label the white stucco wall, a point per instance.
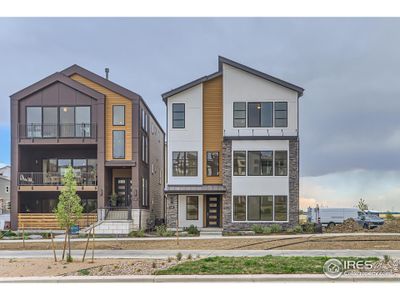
(182, 212)
(260, 185)
(241, 86)
(189, 138)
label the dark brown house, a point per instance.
(105, 132)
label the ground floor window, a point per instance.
(192, 208)
(260, 208)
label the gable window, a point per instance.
(239, 163)
(67, 120)
(280, 163)
(178, 115)
(212, 163)
(118, 115)
(281, 114)
(239, 114)
(184, 163)
(34, 122)
(260, 163)
(259, 114)
(192, 207)
(82, 121)
(118, 144)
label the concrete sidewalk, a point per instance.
(262, 237)
(164, 254)
(196, 278)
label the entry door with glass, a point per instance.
(123, 190)
(213, 211)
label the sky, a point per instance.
(349, 114)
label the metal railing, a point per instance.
(43, 131)
(55, 178)
(119, 208)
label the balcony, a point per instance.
(40, 181)
(57, 131)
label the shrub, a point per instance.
(9, 233)
(290, 230)
(257, 228)
(84, 272)
(162, 231)
(389, 216)
(297, 229)
(309, 227)
(192, 230)
(153, 265)
(139, 233)
(386, 258)
(178, 256)
(276, 228)
(189, 256)
(267, 230)
(1, 235)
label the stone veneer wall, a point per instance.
(172, 210)
(227, 210)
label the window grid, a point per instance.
(178, 115)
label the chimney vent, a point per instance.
(107, 71)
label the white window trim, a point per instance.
(273, 210)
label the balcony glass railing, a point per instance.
(38, 130)
(49, 178)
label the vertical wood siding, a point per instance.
(112, 98)
(212, 125)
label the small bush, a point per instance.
(389, 216)
(69, 258)
(267, 230)
(290, 230)
(386, 258)
(139, 233)
(189, 256)
(1, 235)
(169, 259)
(84, 272)
(257, 228)
(178, 256)
(192, 230)
(153, 265)
(276, 228)
(309, 227)
(162, 231)
(9, 233)
(297, 229)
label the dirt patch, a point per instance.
(392, 226)
(347, 226)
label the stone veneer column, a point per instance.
(227, 182)
(172, 210)
(293, 182)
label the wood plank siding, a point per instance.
(112, 98)
(49, 220)
(212, 125)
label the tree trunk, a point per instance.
(69, 243)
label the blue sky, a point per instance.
(349, 120)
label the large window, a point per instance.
(192, 208)
(212, 163)
(281, 208)
(34, 122)
(239, 114)
(67, 121)
(184, 163)
(239, 208)
(118, 144)
(178, 115)
(50, 122)
(260, 114)
(82, 121)
(260, 163)
(145, 192)
(239, 163)
(280, 163)
(260, 208)
(281, 114)
(118, 115)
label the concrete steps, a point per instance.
(211, 232)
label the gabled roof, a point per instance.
(49, 80)
(223, 60)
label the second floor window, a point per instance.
(260, 163)
(212, 163)
(178, 115)
(259, 114)
(118, 144)
(118, 115)
(239, 114)
(145, 149)
(184, 163)
(281, 117)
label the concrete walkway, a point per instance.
(198, 278)
(163, 254)
(60, 239)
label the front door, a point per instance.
(213, 211)
(123, 189)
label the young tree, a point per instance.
(362, 205)
(69, 208)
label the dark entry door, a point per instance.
(123, 190)
(213, 211)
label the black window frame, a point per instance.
(210, 167)
(185, 164)
(239, 110)
(174, 105)
(276, 162)
(260, 114)
(113, 116)
(281, 110)
(235, 163)
(234, 211)
(113, 140)
(196, 205)
(145, 148)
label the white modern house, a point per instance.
(233, 150)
